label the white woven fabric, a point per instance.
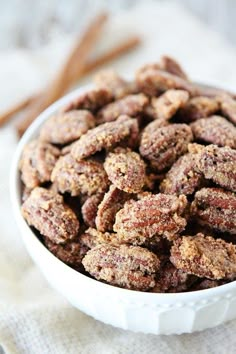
(33, 318)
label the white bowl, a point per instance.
(127, 309)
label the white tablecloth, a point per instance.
(34, 318)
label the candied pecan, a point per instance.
(166, 105)
(110, 80)
(199, 107)
(153, 126)
(182, 178)
(25, 193)
(215, 208)
(91, 100)
(63, 128)
(173, 280)
(104, 136)
(131, 267)
(172, 66)
(154, 215)
(79, 177)
(37, 162)
(71, 253)
(132, 105)
(214, 130)
(47, 212)
(204, 256)
(165, 145)
(153, 81)
(126, 170)
(112, 202)
(89, 209)
(207, 284)
(219, 165)
(228, 107)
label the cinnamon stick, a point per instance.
(74, 65)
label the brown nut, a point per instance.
(199, 107)
(153, 81)
(131, 105)
(79, 177)
(228, 107)
(215, 208)
(112, 202)
(63, 128)
(154, 215)
(91, 100)
(110, 80)
(182, 178)
(130, 267)
(90, 208)
(47, 212)
(93, 237)
(205, 257)
(214, 130)
(172, 66)
(164, 146)
(126, 170)
(219, 165)
(104, 136)
(166, 105)
(37, 162)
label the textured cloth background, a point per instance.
(33, 318)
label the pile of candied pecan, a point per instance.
(133, 183)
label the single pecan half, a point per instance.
(215, 130)
(151, 216)
(215, 208)
(205, 257)
(37, 162)
(131, 267)
(47, 212)
(79, 177)
(199, 107)
(228, 107)
(89, 209)
(63, 128)
(165, 145)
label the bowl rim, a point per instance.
(15, 197)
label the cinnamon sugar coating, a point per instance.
(199, 107)
(63, 128)
(215, 208)
(37, 162)
(205, 257)
(47, 212)
(79, 177)
(228, 107)
(150, 216)
(130, 267)
(90, 208)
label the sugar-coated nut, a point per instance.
(228, 107)
(131, 105)
(104, 136)
(215, 208)
(37, 162)
(215, 130)
(199, 107)
(90, 208)
(112, 202)
(91, 100)
(166, 105)
(151, 216)
(165, 145)
(182, 178)
(93, 237)
(170, 65)
(79, 177)
(63, 128)
(110, 80)
(126, 170)
(205, 257)
(131, 267)
(47, 212)
(219, 165)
